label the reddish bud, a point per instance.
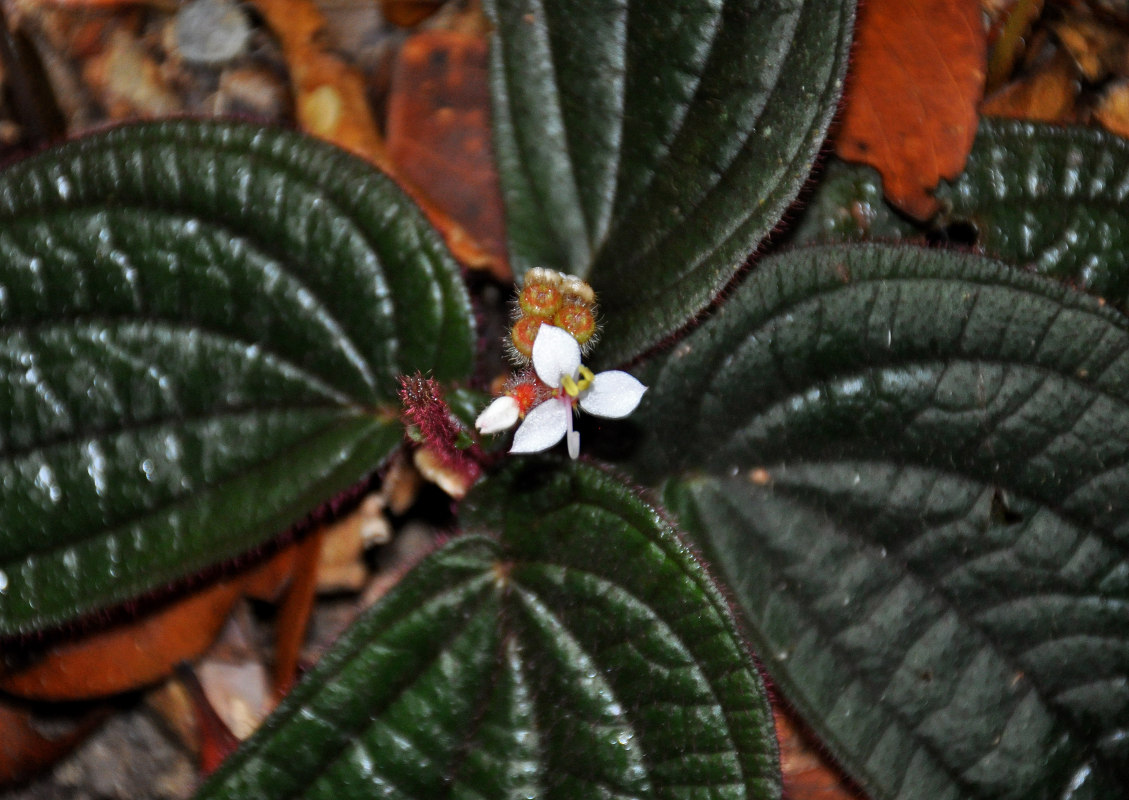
(539, 299)
(577, 319)
(523, 333)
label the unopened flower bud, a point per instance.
(542, 275)
(577, 319)
(572, 286)
(539, 299)
(522, 335)
(501, 415)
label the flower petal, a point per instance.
(543, 427)
(555, 353)
(614, 394)
(501, 415)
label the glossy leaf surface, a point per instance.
(649, 147)
(202, 329)
(1052, 197)
(911, 466)
(580, 653)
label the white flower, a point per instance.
(501, 415)
(556, 359)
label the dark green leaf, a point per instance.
(582, 654)
(1055, 198)
(650, 146)
(913, 468)
(202, 328)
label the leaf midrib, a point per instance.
(466, 586)
(286, 368)
(697, 581)
(191, 498)
(673, 135)
(1068, 491)
(669, 281)
(859, 543)
(827, 635)
(343, 338)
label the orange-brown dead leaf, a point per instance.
(297, 605)
(439, 140)
(1007, 37)
(341, 565)
(129, 80)
(331, 103)
(129, 655)
(86, 35)
(1113, 111)
(31, 741)
(142, 651)
(1098, 48)
(408, 13)
(910, 108)
(215, 741)
(168, 5)
(401, 484)
(329, 95)
(807, 773)
(1047, 94)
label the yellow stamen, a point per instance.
(573, 387)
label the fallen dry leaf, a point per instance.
(30, 741)
(129, 81)
(214, 740)
(1007, 37)
(1113, 111)
(329, 94)
(141, 651)
(439, 140)
(294, 612)
(238, 692)
(401, 484)
(807, 773)
(910, 106)
(341, 565)
(432, 468)
(408, 13)
(129, 655)
(95, 4)
(1097, 48)
(251, 91)
(331, 103)
(173, 706)
(1048, 94)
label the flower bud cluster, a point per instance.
(549, 298)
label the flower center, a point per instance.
(574, 387)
